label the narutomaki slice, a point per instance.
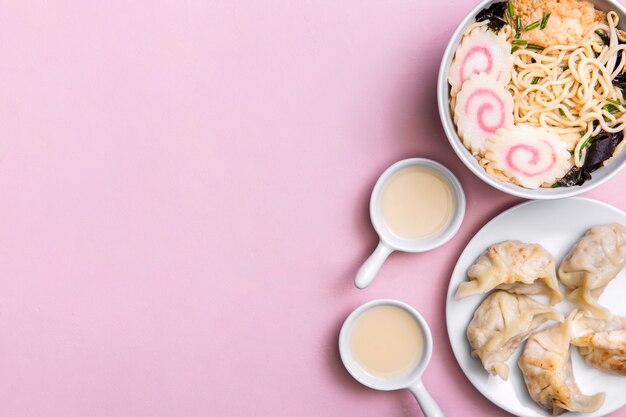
(482, 107)
(481, 52)
(530, 156)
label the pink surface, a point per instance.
(184, 203)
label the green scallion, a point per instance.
(561, 112)
(532, 26)
(515, 48)
(518, 27)
(610, 108)
(519, 42)
(510, 8)
(535, 47)
(585, 145)
(507, 19)
(544, 21)
(617, 103)
(535, 80)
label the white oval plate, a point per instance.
(556, 225)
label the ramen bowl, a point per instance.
(602, 175)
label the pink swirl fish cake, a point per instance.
(481, 52)
(531, 156)
(482, 107)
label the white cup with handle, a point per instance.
(412, 378)
(389, 241)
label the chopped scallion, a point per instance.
(535, 80)
(561, 112)
(585, 145)
(544, 21)
(610, 108)
(510, 8)
(518, 27)
(617, 103)
(535, 47)
(513, 49)
(519, 42)
(532, 26)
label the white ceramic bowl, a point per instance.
(389, 242)
(373, 381)
(411, 381)
(443, 98)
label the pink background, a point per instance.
(184, 203)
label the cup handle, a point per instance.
(427, 403)
(371, 266)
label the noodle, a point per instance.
(564, 88)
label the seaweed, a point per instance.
(602, 147)
(574, 176)
(604, 36)
(494, 14)
(620, 81)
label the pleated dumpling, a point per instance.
(602, 343)
(591, 264)
(547, 369)
(514, 266)
(500, 324)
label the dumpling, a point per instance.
(514, 266)
(602, 343)
(501, 323)
(591, 264)
(547, 369)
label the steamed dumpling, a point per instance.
(500, 324)
(591, 264)
(547, 369)
(602, 343)
(514, 266)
